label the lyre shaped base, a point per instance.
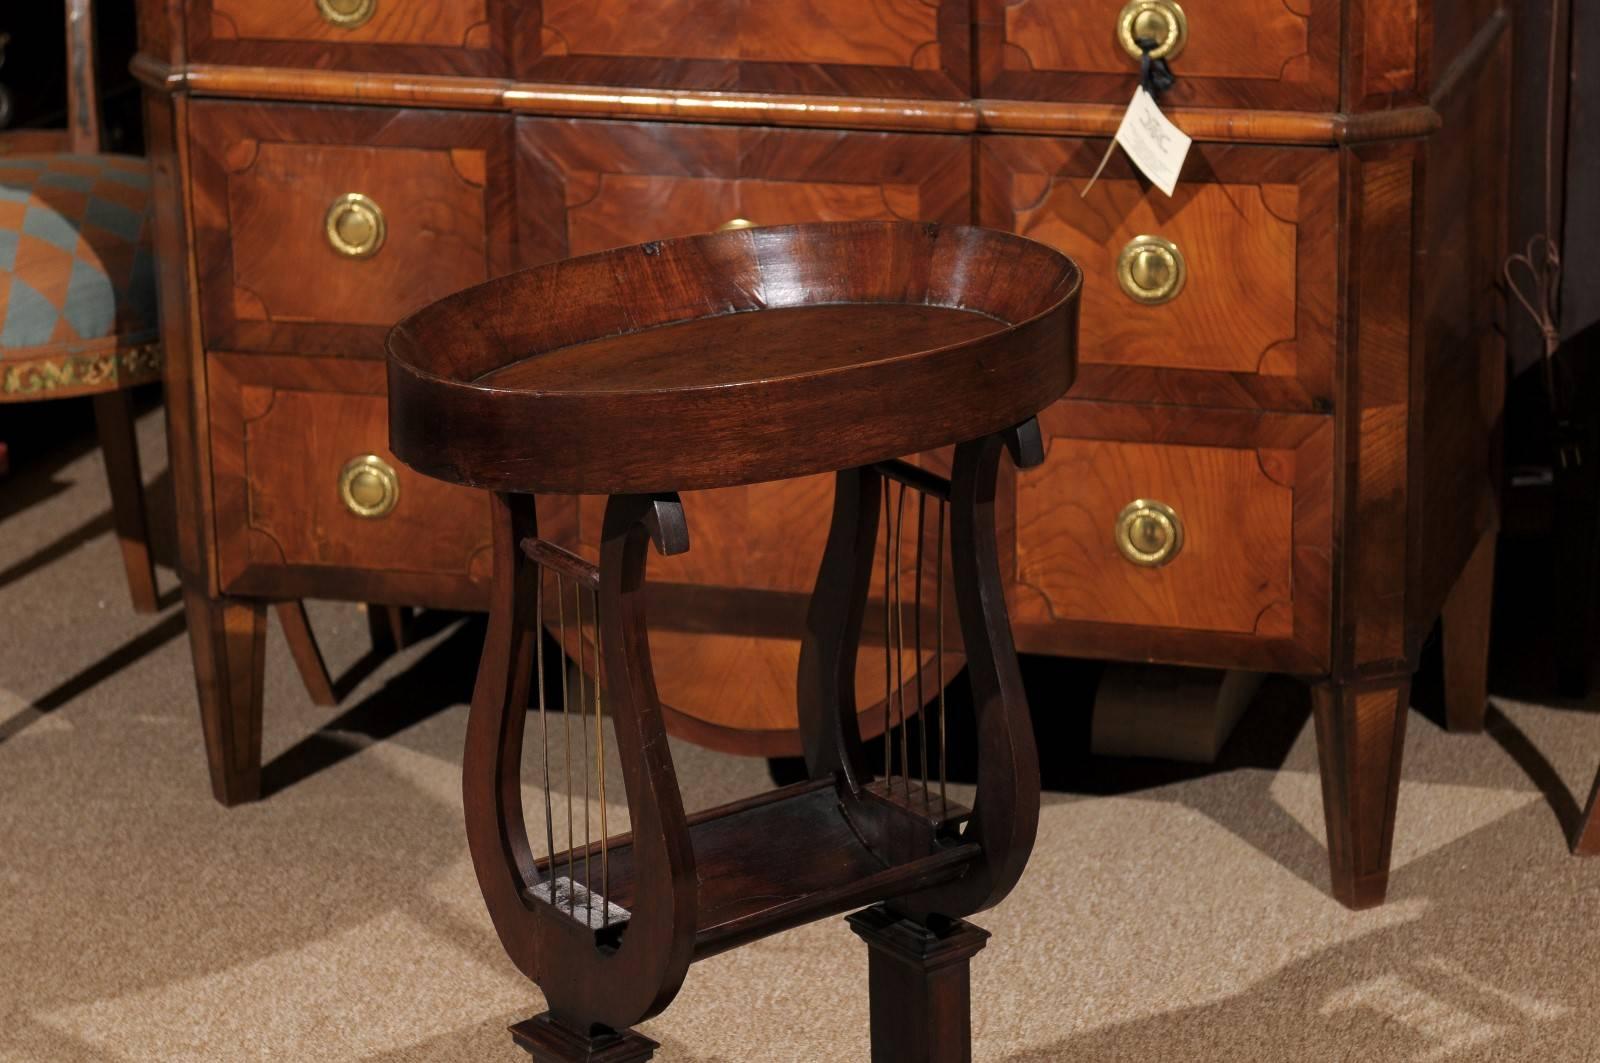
(550, 1042)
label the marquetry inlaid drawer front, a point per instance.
(609, 184)
(417, 36)
(1242, 53)
(1223, 294)
(317, 228)
(917, 48)
(1177, 534)
(307, 491)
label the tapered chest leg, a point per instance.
(228, 638)
(1361, 730)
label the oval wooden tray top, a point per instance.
(733, 358)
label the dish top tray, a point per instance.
(733, 358)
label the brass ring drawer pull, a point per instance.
(355, 226)
(1162, 21)
(368, 486)
(735, 224)
(1149, 533)
(1151, 270)
(346, 14)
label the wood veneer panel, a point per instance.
(1254, 323)
(415, 36)
(282, 430)
(909, 48)
(264, 178)
(622, 183)
(1253, 495)
(1259, 54)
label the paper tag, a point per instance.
(1154, 144)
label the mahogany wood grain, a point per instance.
(1464, 626)
(629, 182)
(689, 887)
(229, 643)
(1256, 54)
(920, 986)
(1377, 394)
(909, 48)
(282, 432)
(466, 37)
(113, 418)
(508, 343)
(1400, 363)
(265, 178)
(1361, 729)
(885, 114)
(1257, 228)
(306, 653)
(1255, 537)
(1457, 469)
(618, 183)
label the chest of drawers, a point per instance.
(1279, 454)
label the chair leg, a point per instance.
(1587, 842)
(1361, 730)
(307, 655)
(113, 415)
(547, 1041)
(1465, 628)
(920, 986)
(387, 625)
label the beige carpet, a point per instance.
(339, 919)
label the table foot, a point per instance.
(550, 1042)
(921, 986)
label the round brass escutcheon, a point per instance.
(347, 14)
(368, 486)
(1162, 21)
(1151, 270)
(1149, 533)
(735, 224)
(355, 226)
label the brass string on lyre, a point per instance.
(581, 699)
(897, 690)
(566, 723)
(939, 647)
(600, 762)
(583, 725)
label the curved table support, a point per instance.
(607, 981)
(1005, 812)
(827, 675)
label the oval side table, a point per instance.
(714, 361)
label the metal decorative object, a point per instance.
(369, 487)
(1151, 270)
(1149, 533)
(1162, 21)
(347, 14)
(355, 226)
